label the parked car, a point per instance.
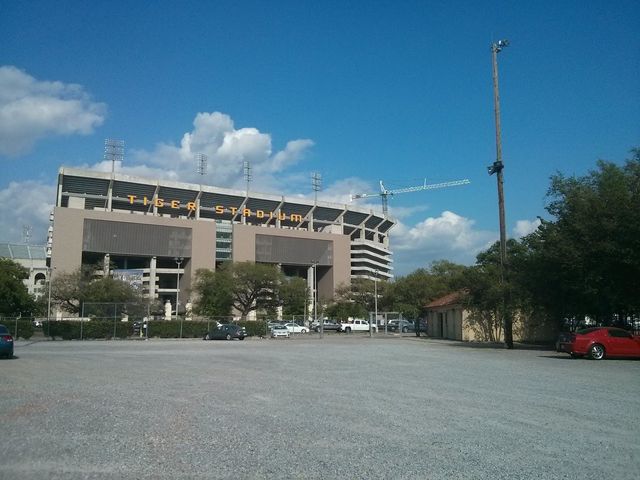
(401, 325)
(599, 342)
(226, 331)
(279, 331)
(326, 326)
(6, 342)
(295, 328)
(357, 325)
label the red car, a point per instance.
(600, 342)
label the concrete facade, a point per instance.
(33, 258)
(163, 232)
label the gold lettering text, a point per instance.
(175, 203)
(159, 202)
(296, 218)
(233, 210)
(246, 212)
(131, 198)
(191, 206)
(282, 216)
(260, 214)
(219, 209)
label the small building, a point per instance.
(447, 317)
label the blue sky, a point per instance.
(359, 91)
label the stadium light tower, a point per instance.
(114, 152)
(497, 167)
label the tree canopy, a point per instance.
(587, 261)
(72, 291)
(244, 286)
(14, 294)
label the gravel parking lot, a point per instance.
(342, 407)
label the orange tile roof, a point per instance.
(449, 299)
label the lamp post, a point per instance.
(49, 304)
(178, 261)
(375, 303)
(314, 266)
(497, 167)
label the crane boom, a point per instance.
(385, 193)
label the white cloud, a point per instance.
(26, 203)
(31, 109)
(449, 236)
(525, 227)
(226, 148)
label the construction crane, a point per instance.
(384, 193)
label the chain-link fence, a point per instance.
(129, 321)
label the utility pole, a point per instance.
(497, 168)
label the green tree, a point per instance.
(294, 296)
(214, 292)
(410, 294)
(587, 261)
(249, 286)
(72, 291)
(487, 296)
(14, 294)
(353, 300)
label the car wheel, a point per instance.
(596, 352)
(317, 329)
(303, 331)
(404, 329)
(241, 338)
(347, 330)
(228, 336)
(207, 337)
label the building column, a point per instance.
(106, 263)
(152, 278)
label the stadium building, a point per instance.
(33, 258)
(157, 234)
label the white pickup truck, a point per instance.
(356, 326)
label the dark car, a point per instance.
(600, 342)
(401, 325)
(226, 331)
(327, 325)
(6, 342)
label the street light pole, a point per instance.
(375, 303)
(315, 299)
(49, 304)
(497, 167)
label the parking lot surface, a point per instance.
(342, 407)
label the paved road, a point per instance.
(344, 407)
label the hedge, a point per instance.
(19, 328)
(104, 329)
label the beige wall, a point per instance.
(456, 326)
(244, 250)
(66, 255)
